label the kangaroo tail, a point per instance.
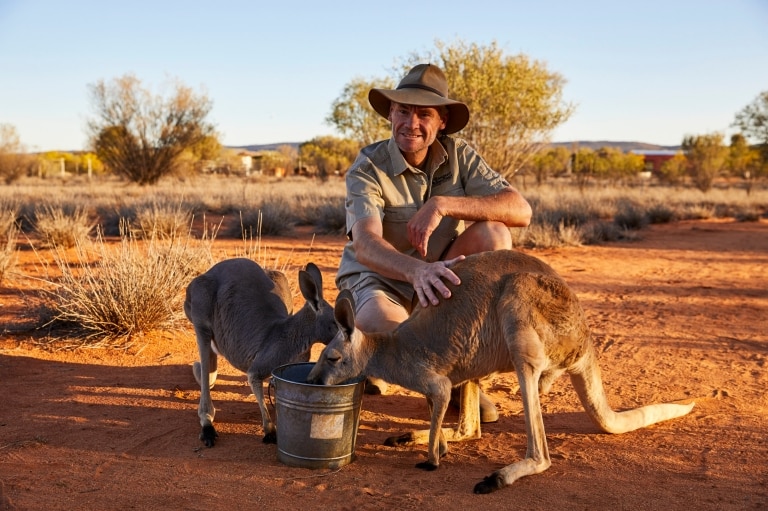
(588, 383)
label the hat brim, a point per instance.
(458, 112)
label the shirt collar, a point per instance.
(437, 156)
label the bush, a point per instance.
(660, 214)
(62, 226)
(630, 216)
(111, 295)
(273, 218)
(7, 250)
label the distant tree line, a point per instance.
(516, 104)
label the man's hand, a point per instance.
(428, 281)
(422, 225)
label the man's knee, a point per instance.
(379, 315)
(481, 237)
(497, 235)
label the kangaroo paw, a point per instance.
(426, 465)
(270, 438)
(490, 484)
(208, 435)
(404, 439)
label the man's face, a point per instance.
(414, 128)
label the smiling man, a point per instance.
(416, 204)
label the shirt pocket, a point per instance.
(395, 227)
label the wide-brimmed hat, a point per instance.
(424, 85)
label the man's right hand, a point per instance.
(428, 281)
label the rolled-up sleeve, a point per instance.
(364, 197)
(479, 179)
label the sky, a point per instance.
(648, 71)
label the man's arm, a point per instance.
(380, 256)
(508, 207)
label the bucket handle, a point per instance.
(270, 386)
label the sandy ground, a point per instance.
(681, 314)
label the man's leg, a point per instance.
(480, 237)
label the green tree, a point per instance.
(329, 154)
(14, 160)
(546, 163)
(353, 116)
(744, 161)
(673, 170)
(707, 157)
(515, 102)
(585, 165)
(752, 120)
(616, 165)
(59, 163)
(290, 155)
(140, 135)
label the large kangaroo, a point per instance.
(244, 313)
(512, 312)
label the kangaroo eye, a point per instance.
(333, 356)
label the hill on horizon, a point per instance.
(624, 146)
(591, 144)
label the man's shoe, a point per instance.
(488, 411)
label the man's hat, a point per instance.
(424, 85)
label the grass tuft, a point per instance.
(111, 294)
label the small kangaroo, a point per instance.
(512, 312)
(244, 313)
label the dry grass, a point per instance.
(9, 212)
(8, 251)
(109, 294)
(61, 226)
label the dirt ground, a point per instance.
(680, 315)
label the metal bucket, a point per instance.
(316, 424)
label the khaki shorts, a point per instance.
(368, 286)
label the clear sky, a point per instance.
(649, 71)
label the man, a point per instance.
(416, 204)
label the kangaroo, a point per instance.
(244, 313)
(512, 312)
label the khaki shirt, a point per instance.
(381, 183)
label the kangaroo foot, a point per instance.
(490, 484)
(208, 435)
(426, 465)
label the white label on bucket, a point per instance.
(326, 427)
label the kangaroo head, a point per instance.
(337, 362)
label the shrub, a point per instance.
(113, 294)
(660, 214)
(599, 232)
(163, 220)
(630, 216)
(273, 218)
(331, 219)
(62, 226)
(7, 250)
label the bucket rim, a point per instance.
(350, 383)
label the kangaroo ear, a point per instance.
(315, 273)
(344, 312)
(311, 285)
